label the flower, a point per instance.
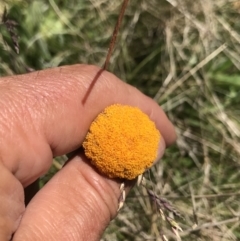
(122, 142)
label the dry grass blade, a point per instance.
(192, 72)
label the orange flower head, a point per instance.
(122, 142)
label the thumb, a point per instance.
(76, 204)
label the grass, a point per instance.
(185, 55)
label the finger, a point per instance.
(11, 204)
(76, 204)
(49, 117)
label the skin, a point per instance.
(43, 115)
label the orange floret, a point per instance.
(122, 142)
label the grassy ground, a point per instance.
(183, 53)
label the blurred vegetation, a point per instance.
(185, 55)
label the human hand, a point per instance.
(43, 115)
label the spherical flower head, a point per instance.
(122, 142)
